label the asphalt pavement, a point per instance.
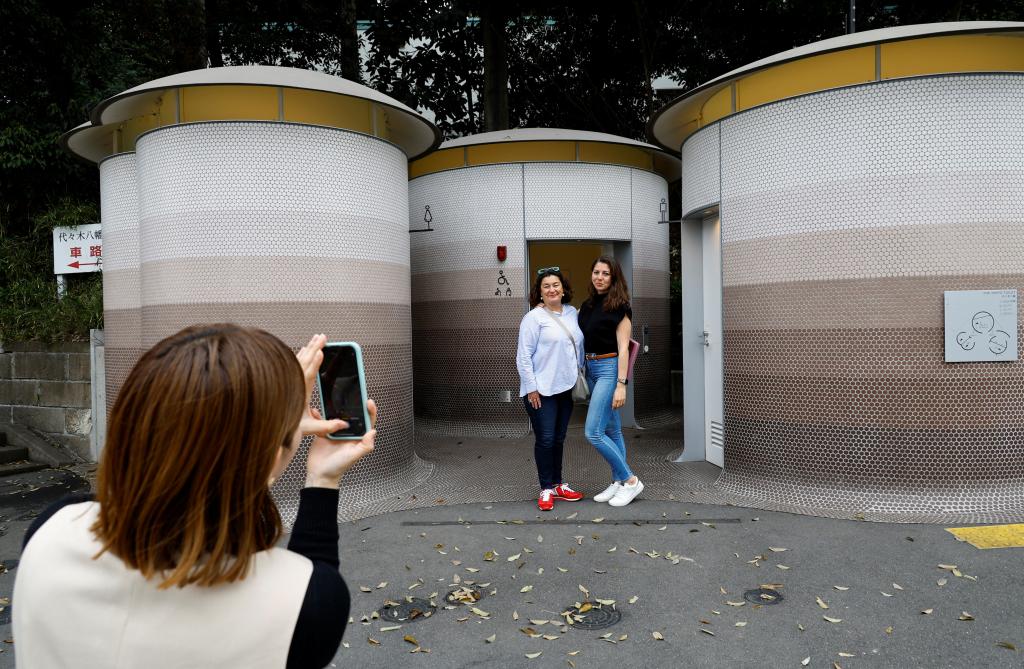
(679, 584)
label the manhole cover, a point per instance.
(464, 595)
(408, 611)
(765, 596)
(595, 618)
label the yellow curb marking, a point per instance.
(991, 536)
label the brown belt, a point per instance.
(600, 356)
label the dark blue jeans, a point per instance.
(550, 423)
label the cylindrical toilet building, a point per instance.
(486, 211)
(270, 197)
(832, 195)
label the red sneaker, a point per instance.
(564, 492)
(546, 501)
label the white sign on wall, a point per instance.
(981, 325)
(77, 249)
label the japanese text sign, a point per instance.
(77, 249)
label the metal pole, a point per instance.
(62, 287)
(851, 18)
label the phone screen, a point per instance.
(342, 395)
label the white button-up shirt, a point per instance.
(545, 357)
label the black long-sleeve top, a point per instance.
(325, 608)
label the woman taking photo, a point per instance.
(605, 319)
(174, 564)
(548, 357)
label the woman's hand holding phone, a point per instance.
(328, 459)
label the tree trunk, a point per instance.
(349, 41)
(213, 50)
(495, 41)
(186, 22)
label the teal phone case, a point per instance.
(362, 390)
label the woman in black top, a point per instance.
(605, 319)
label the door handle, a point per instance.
(706, 336)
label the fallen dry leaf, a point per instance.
(526, 588)
(597, 520)
(390, 628)
(804, 662)
(941, 582)
(1006, 644)
(708, 632)
(370, 639)
(888, 630)
(572, 515)
(927, 612)
(897, 586)
(775, 549)
(513, 558)
(408, 638)
(821, 602)
(491, 638)
(741, 623)
(633, 599)
(533, 656)
(833, 620)
(841, 587)
(841, 654)
(658, 636)
(782, 566)
(736, 603)
(965, 616)
(365, 588)
(886, 594)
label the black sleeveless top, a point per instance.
(598, 325)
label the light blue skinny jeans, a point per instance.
(604, 427)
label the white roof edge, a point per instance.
(545, 134)
(418, 137)
(842, 42)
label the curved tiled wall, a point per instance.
(464, 335)
(845, 215)
(294, 229)
(119, 213)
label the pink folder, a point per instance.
(634, 351)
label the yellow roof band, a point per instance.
(248, 102)
(604, 153)
(920, 56)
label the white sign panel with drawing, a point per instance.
(981, 325)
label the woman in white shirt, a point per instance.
(549, 353)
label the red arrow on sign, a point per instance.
(77, 264)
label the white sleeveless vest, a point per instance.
(73, 611)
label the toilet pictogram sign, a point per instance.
(503, 285)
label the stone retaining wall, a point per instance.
(47, 387)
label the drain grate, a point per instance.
(765, 596)
(467, 594)
(406, 612)
(595, 618)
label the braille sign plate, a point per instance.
(981, 325)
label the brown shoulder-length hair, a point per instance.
(191, 442)
(535, 296)
(618, 292)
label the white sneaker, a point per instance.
(608, 492)
(626, 493)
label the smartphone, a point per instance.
(342, 386)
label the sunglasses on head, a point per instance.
(556, 268)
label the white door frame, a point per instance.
(691, 248)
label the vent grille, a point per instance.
(717, 434)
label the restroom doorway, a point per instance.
(574, 258)
(703, 353)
